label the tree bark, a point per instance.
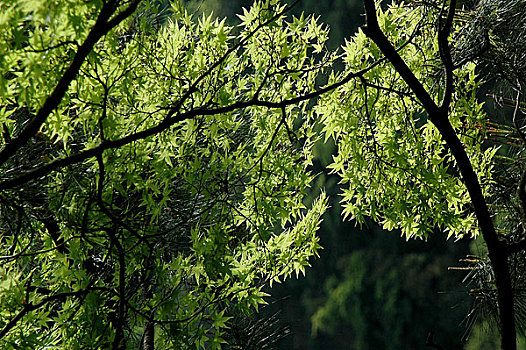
(149, 337)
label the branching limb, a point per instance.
(497, 250)
(168, 122)
(31, 307)
(374, 32)
(119, 326)
(102, 26)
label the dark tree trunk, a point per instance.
(149, 337)
(439, 116)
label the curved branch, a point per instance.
(31, 307)
(373, 31)
(102, 26)
(171, 119)
(497, 250)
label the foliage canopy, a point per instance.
(391, 158)
(154, 169)
(171, 187)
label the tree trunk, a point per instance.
(439, 116)
(148, 342)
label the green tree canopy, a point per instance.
(154, 169)
(166, 183)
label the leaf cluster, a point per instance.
(392, 160)
(181, 175)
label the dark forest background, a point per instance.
(370, 289)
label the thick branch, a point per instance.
(373, 31)
(148, 337)
(54, 232)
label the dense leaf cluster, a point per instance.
(391, 158)
(154, 167)
(170, 178)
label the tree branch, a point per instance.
(445, 55)
(171, 119)
(102, 26)
(373, 31)
(497, 251)
(31, 307)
